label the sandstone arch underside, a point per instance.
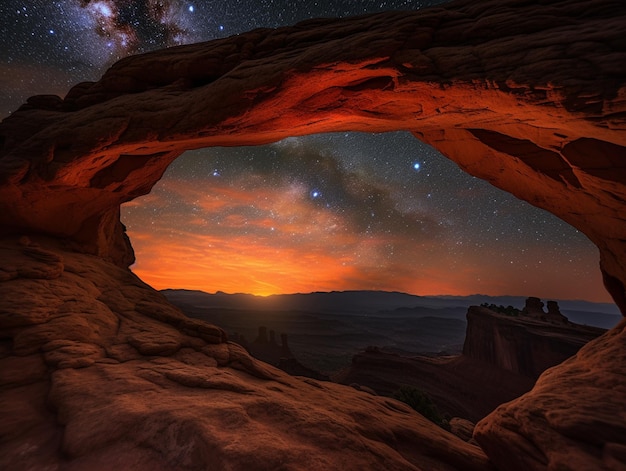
(529, 95)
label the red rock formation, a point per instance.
(461, 386)
(574, 418)
(502, 357)
(524, 345)
(529, 95)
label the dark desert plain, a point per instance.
(390, 158)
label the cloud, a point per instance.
(137, 26)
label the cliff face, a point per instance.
(460, 386)
(95, 367)
(502, 357)
(522, 344)
(574, 417)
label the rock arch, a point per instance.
(536, 107)
(530, 95)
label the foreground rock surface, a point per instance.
(99, 372)
(574, 418)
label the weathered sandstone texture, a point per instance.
(574, 418)
(528, 94)
(99, 372)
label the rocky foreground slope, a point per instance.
(99, 372)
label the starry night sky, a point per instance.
(316, 213)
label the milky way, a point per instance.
(134, 26)
(336, 211)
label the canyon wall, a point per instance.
(503, 356)
(521, 344)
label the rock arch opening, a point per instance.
(349, 211)
(522, 125)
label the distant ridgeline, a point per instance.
(526, 341)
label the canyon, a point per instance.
(502, 357)
(522, 344)
(98, 371)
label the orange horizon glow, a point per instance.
(307, 250)
(261, 231)
(262, 276)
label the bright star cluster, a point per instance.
(325, 212)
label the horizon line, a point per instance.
(217, 292)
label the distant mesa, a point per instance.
(533, 308)
(527, 343)
(505, 351)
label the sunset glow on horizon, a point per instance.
(294, 217)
